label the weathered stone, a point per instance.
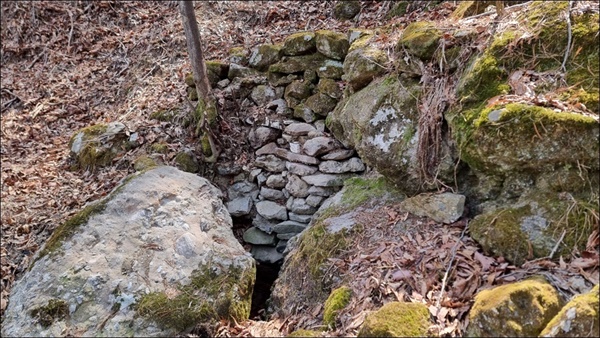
(258, 237)
(267, 149)
(240, 206)
(390, 321)
(336, 167)
(261, 178)
(96, 146)
(346, 10)
(420, 39)
(280, 107)
(319, 125)
(296, 186)
(300, 169)
(363, 65)
(271, 163)
(238, 71)
(264, 224)
(298, 129)
(325, 180)
(296, 157)
(261, 57)
(262, 94)
(578, 318)
(271, 194)
(299, 206)
(298, 64)
(279, 79)
(295, 147)
(281, 245)
(331, 70)
(289, 226)
(276, 181)
(338, 155)
(261, 136)
(228, 169)
(266, 254)
(299, 218)
(271, 210)
(254, 174)
(527, 305)
(332, 44)
(445, 208)
(314, 200)
(323, 191)
(286, 236)
(320, 145)
(108, 270)
(330, 88)
(320, 103)
(298, 89)
(301, 111)
(241, 189)
(299, 44)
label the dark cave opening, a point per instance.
(265, 277)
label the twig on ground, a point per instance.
(569, 37)
(557, 244)
(437, 304)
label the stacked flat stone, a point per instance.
(295, 172)
(298, 164)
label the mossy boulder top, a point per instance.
(97, 145)
(158, 238)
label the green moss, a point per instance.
(205, 145)
(421, 39)
(161, 148)
(54, 310)
(186, 162)
(397, 319)
(304, 333)
(211, 295)
(359, 190)
(519, 309)
(511, 232)
(67, 229)
(144, 162)
(338, 299)
(164, 115)
(398, 9)
(585, 323)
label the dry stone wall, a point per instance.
(298, 163)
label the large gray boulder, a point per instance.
(381, 122)
(155, 257)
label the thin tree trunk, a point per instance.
(194, 46)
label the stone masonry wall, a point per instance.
(298, 163)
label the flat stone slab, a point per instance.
(339, 167)
(266, 254)
(271, 210)
(300, 169)
(325, 180)
(258, 237)
(289, 226)
(444, 208)
(240, 206)
(299, 129)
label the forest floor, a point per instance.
(68, 65)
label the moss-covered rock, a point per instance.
(397, 319)
(261, 57)
(502, 139)
(520, 309)
(187, 162)
(301, 111)
(238, 55)
(211, 295)
(381, 123)
(332, 44)
(299, 44)
(331, 69)
(54, 310)
(144, 162)
(160, 148)
(337, 300)
(578, 318)
(362, 65)
(358, 34)
(346, 10)
(304, 333)
(536, 222)
(330, 88)
(331, 231)
(298, 90)
(320, 103)
(216, 71)
(297, 64)
(420, 39)
(96, 146)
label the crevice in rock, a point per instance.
(266, 274)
